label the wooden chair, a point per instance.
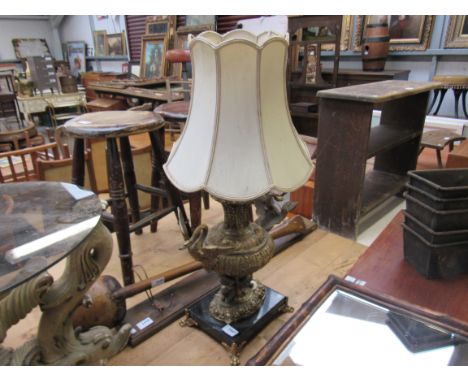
(60, 170)
(60, 112)
(21, 165)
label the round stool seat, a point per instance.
(113, 124)
(174, 110)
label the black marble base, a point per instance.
(273, 305)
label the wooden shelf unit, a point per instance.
(344, 192)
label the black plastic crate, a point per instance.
(434, 261)
(443, 183)
(434, 237)
(435, 202)
(435, 219)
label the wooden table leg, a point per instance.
(130, 180)
(119, 210)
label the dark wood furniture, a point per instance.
(384, 270)
(118, 126)
(155, 96)
(88, 77)
(344, 192)
(458, 158)
(8, 102)
(437, 140)
(307, 35)
(366, 324)
(349, 77)
(105, 104)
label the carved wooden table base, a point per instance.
(57, 343)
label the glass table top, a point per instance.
(40, 223)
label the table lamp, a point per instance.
(238, 144)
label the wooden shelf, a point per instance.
(386, 137)
(344, 191)
(379, 186)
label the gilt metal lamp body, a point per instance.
(239, 143)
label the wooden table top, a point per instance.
(385, 271)
(378, 92)
(111, 124)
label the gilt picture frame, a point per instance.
(158, 27)
(407, 33)
(100, 43)
(457, 32)
(116, 45)
(153, 57)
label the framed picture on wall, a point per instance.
(457, 32)
(76, 51)
(153, 57)
(116, 44)
(407, 32)
(157, 28)
(191, 20)
(100, 43)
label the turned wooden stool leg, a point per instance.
(119, 210)
(195, 199)
(130, 180)
(442, 95)
(78, 162)
(206, 200)
(172, 192)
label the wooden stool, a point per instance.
(437, 140)
(459, 85)
(120, 124)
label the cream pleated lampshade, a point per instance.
(239, 141)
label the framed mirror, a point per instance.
(347, 325)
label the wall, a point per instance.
(80, 28)
(23, 28)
